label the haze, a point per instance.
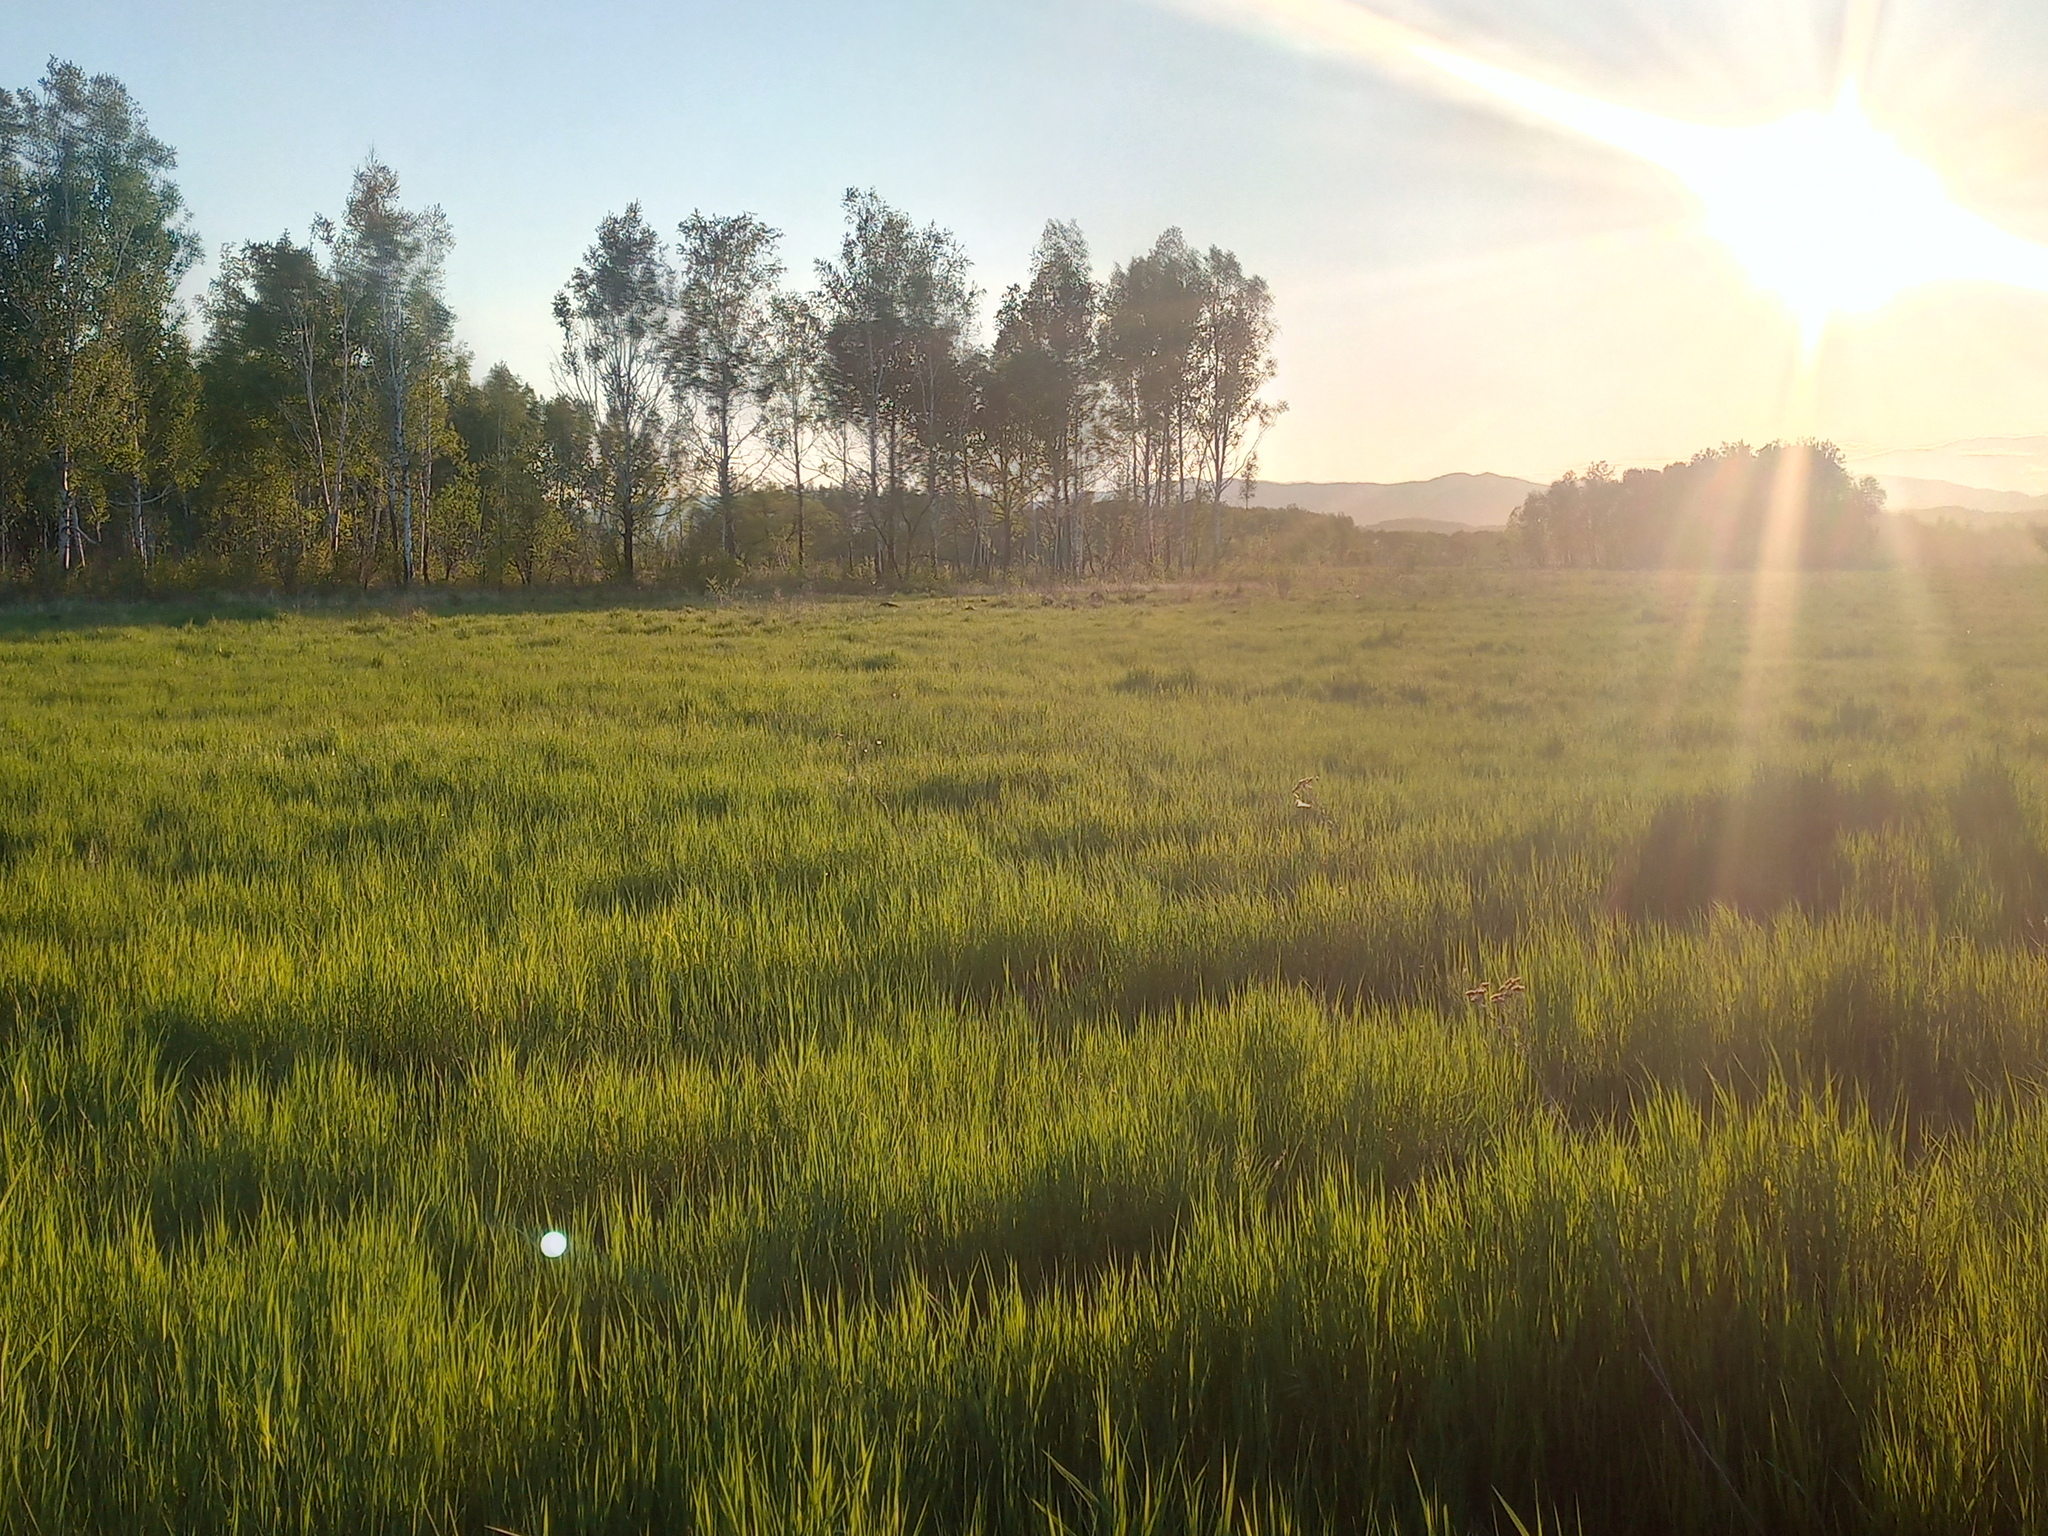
(1460, 288)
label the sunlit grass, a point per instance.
(979, 1094)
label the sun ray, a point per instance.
(1860, 23)
(1775, 588)
(1921, 624)
(1822, 208)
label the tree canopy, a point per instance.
(316, 423)
(1728, 507)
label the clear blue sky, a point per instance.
(1457, 290)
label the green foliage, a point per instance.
(1730, 508)
(95, 384)
(984, 1089)
(713, 424)
(520, 532)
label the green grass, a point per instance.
(980, 1098)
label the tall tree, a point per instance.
(899, 305)
(1234, 363)
(92, 245)
(393, 258)
(1046, 341)
(574, 491)
(504, 432)
(944, 368)
(1151, 328)
(162, 455)
(285, 380)
(1006, 444)
(723, 342)
(615, 315)
(792, 396)
(865, 336)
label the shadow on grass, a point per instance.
(1757, 850)
(29, 619)
(1777, 844)
(24, 616)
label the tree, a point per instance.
(285, 380)
(1005, 440)
(504, 433)
(865, 335)
(1732, 507)
(163, 454)
(392, 257)
(330, 423)
(1570, 523)
(92, 246)
(939, 387)
(1234, 363)
(1046, 362)
(573, 488)
(792, 394)
(898, 305)
(615, 315)
(1151, 329)
(723, 341)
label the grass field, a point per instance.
(979, 1097)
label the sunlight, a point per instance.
(1822, 208)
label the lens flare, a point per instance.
(1822, 208)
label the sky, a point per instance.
(1458, 287)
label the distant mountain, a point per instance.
(1421, 525)
(2017, 464)
(1466, 501)
(1904, 493)
(1453, 503)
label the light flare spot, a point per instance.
(1823, 208)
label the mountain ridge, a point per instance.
(1460, 500)
(1907, 493)
(1981, 465)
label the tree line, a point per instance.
(1728, 507)
(316, 423)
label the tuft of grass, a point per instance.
(1157, 680)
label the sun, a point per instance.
(1829, 213)
(1822, 208)
(1826, 211)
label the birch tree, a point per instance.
(722, 344)
(285, 381)
(939, 382)
(1007, 456)
(503, 429)
(1151, 328)
(615, 315)
(899, 306)
(1234, 363)
(865, 339)
(392, 258)
(1046, 340)
(793, 397)
(92, 245)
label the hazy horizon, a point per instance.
(1459, 290)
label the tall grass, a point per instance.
(979, 1096)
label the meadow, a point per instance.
(985, 1088)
